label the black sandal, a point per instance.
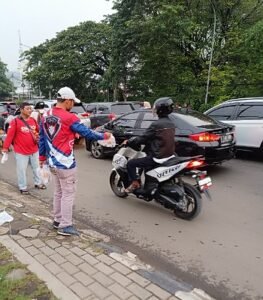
(40, 186)
(24, 192)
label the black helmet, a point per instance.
(17, 112)
(40, 105)
(163, 106)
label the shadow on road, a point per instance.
(250, 156)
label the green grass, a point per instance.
(28, 288)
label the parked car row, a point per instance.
(103, 112)
(215, 134)
(98, 113)
(7, 108)
(91, 114)
(196, 134)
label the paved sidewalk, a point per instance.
(79, 267)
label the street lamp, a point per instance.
(23, 86)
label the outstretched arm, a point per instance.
(88, 133)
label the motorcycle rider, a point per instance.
(158, 140)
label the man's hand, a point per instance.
(97, 129)
(41, 163)
(4, 150)
(107, 135)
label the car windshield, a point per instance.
(77, 110)
(121, 108)
(136, 105)
(90, 107)
(195, 118)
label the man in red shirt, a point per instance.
(57, 133)
(23, 134)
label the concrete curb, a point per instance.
(56, 286)
(195, 294)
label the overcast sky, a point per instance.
(39, 20)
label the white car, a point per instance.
(80, 111)
(246, 114)
(50, 103)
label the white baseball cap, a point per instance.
(67, 93)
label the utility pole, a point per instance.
(211, 55)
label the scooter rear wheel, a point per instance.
(117, 185)
(193, 203)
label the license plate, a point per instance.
(227, 138)
(204, 183)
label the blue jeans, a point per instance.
(21, 168)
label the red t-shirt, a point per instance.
(20, 136)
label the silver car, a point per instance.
(247, 116)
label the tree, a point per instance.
(6, 85)
(236, 69)
(154, 48)
(164, 47)
(78, 57)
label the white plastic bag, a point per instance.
(4, 158)
(5, 217)
(45, 174)
(111, 142)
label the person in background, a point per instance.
(2, 130)
(10, 118)
(57, 133)
(39, 110)
(2, 124)
(23, 135)
(186, 107)
(145, 105)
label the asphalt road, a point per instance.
(220, 251)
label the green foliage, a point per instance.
(27, 288)
(78, 57)
(171, 45)
(6, 85)
(154, 48)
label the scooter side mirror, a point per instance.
(109, 126)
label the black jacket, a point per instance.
(158, 139)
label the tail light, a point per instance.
(204, 137)
(85, 114)
(195, 164)
(112, 116)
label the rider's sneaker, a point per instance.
(134, 186)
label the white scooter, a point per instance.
(164, 183)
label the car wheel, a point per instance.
(96, 150)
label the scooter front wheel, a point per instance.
(192, 203)
(116, 185)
